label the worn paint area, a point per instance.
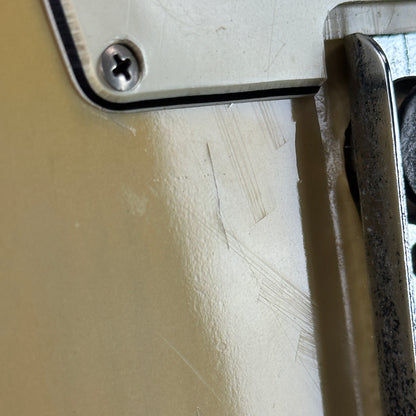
(232, 192)
(149, 264)
(205, 261)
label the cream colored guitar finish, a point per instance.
(163, 263)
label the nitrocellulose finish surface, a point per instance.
(152, 264)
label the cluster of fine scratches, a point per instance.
(240, 161)
(239, 131)
(271, 130)
(275, 291)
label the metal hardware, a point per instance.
(400, 51)
(119, 67)
(383, 211)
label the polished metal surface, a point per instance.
(119, 67)
(384, 218)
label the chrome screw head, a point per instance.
(120, 67)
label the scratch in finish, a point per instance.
(218, 197)
(277, 292)
(272, 61)
(131, 129)
(173, 14)
(270, 124)
(306, 355)
(162, 33)
(306, 347)
(237, 142)
(128, 15)
(191, 367)
(393, 12)
(284, 298)
(271, 36)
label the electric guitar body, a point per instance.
(192, 261)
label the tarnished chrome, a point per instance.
(384, 218)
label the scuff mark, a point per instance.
(190, 366)
(218, 197)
